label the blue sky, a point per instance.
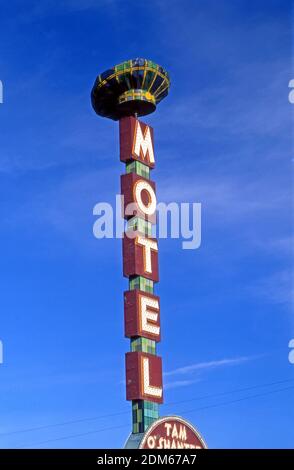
(223, 138)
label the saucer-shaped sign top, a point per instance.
(134, 87)
(172, 432)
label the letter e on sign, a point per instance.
(142, 315)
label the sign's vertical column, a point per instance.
(140, 265)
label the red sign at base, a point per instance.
(172, 432)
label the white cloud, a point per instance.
(81, 5)
(179, 383)
(276, 288)
(228, 196)
(208, 365)
(279, 245)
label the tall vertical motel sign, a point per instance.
(123, 93)
(140, 265)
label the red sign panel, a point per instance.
(140, 256)
(142, 317)
(172, 432)
(139, 198)
(144, 377)
(136, 141)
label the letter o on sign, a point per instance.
(140, 188)
(151, 442)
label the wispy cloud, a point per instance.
(179, 383)
(238, 197)
(81, 5)
(208, 365)
(40, 10)
(276, 288)
(281, 245)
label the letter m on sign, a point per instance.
(136, 141)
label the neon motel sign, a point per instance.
(140, 258)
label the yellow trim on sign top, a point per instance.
(149, 69)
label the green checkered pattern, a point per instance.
(141, 283)
(141, 225)
(144, 345)
(139, 168)
(144, 413)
